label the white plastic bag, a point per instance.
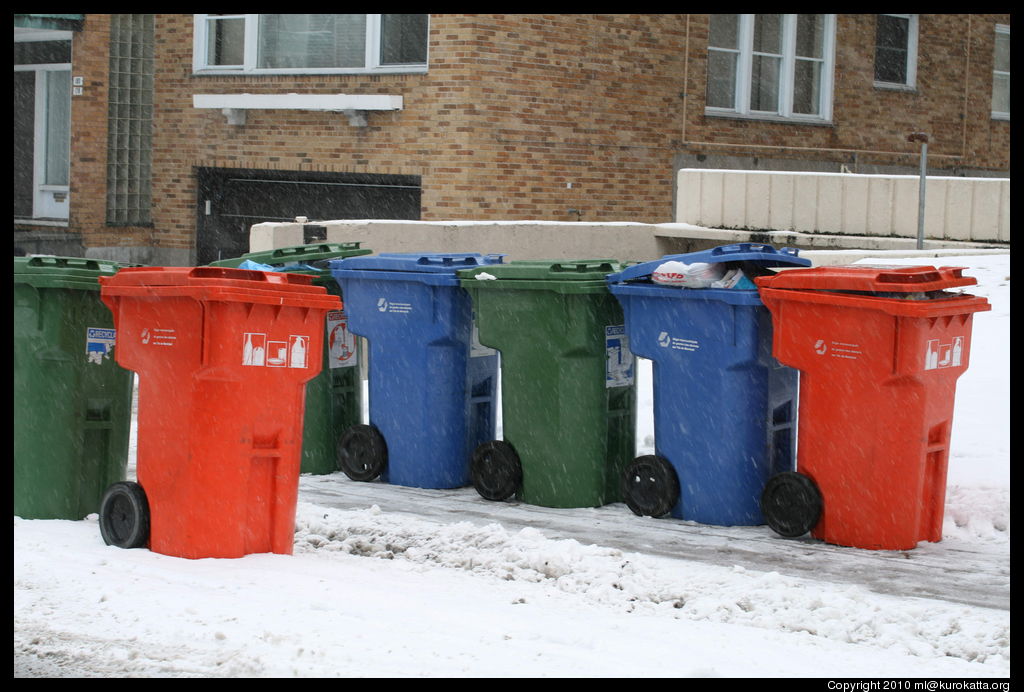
(696, 275)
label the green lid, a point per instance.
(564, 276)
(298, 254)
(50, 271)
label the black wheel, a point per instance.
(124, 516)
(495, 470)
(650, 486)
(362, 453)
(791, 503)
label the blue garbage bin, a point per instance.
(724, 408)
(432, 387)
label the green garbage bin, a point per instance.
(334, 397)
(72, 401)
(567, 382)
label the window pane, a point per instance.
(807, 87)
(891, 32)
(42, 52)
(810, 35)
(24, 134)
(764, 84)
(723, 31)
(403, 39)
(721, 90)
(1001, 93)
(58, 127)
(891, 50)
(226, 42)
(891, 65)
(768, 33)
(1002, 52)
(311, 40)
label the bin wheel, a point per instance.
(650, 486)
(791, 503)
(362, 453)
(495, 470)
(124, 515)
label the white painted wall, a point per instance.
(956, 209)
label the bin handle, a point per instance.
(580, 267)
(65, 262)
(316, 247)
(248, 275)
(454, 260)
(753, 247)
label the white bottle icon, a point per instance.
(958, 346)
(298, 358)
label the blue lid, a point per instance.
(445, 262)
(428, 267)
(758, 253)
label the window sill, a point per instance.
(1005, 117)
(767, 118)
(58, 223)
(353, 106)
(893, 86)
(234, 72)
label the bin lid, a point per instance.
(756, 253)
(220, 283)
(870, 278)
(573, 275)
(316, 255)
(50, 271)
(434, 267)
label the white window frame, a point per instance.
(912, 32)
(785, 113)
(1001, 115)
(50, 203)
(372, 64)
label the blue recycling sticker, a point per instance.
(619, 359)
(99, 344)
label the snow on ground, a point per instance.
(373, 593)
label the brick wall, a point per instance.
(952, 102)
(529, 116)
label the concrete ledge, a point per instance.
(142, 254)
(567, 240)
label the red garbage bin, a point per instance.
(223, 356)
(879, 350)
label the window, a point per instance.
(130, 120)
(42, 127)
(896, 50)
(304, 43)
(771, 66)
(1001, 74)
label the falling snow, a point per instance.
(395, 582)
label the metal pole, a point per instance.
(923, 139)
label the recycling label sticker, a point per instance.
(99, 343)
(260, 351)
(341, 343)
(619, 359)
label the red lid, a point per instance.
(869, 277)
(195, 276)
(224, 283)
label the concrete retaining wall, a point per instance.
(561, 240)
(956, 209)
